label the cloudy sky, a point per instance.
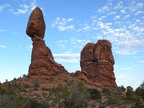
(70, 25)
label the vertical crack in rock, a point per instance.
(42, 60)
(97, 61)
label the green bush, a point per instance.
(2, 91)
(13, 101)
(122, 88)
(106, 91)
(35, 104)
(77, 97)
(27, 86)
(130, 95)
(73, 95)
(94, 94)
(112, 99)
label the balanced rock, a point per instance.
(36, 24)
(42, 60)
(97, 61)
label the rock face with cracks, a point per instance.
(42, 61)
(97, 62)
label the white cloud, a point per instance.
(22, 10)
(125, 68)
(123, 76)
(142, 61)
(79, 43)
(123, 11)
(63, 24)
(2, 46)
(63, 28)
(67, 57)
(117, 17)
(125, 51)
(30, 46)
(33, 4)
(138, 5)
(139, 12)
(125, 33)
(112, 13)
(103, 9)
(115, 22)
(4, 6)
(102, 17)
(2, 30)
(126, 16)
(62, 43)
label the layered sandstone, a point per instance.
(97, 61)
(42, 60)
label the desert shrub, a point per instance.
(106, 91)
(77, 97)
(94, 94)
(14, 79)
(36, 104)
(1, 105)
(138, 103)
(56, 73)
(72, 96)
(21, 89)
(122, 88)
(130, 95)
(140, 90)
(13, 101)
(6, 80)
(24, 75)
(142, 85)
(11, 92)
(45, 104)
(3, 91)
(112, 99)
(60, 91)
(26, 86)
(51, 79)
(45, 89)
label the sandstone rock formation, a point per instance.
(42, 61)
(97, 61)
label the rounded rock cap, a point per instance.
(36, 24)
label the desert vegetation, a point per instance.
(69, 95)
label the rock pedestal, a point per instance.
(42, 60)
(97, 61)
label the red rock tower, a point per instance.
(42, 61)
(97, 61)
